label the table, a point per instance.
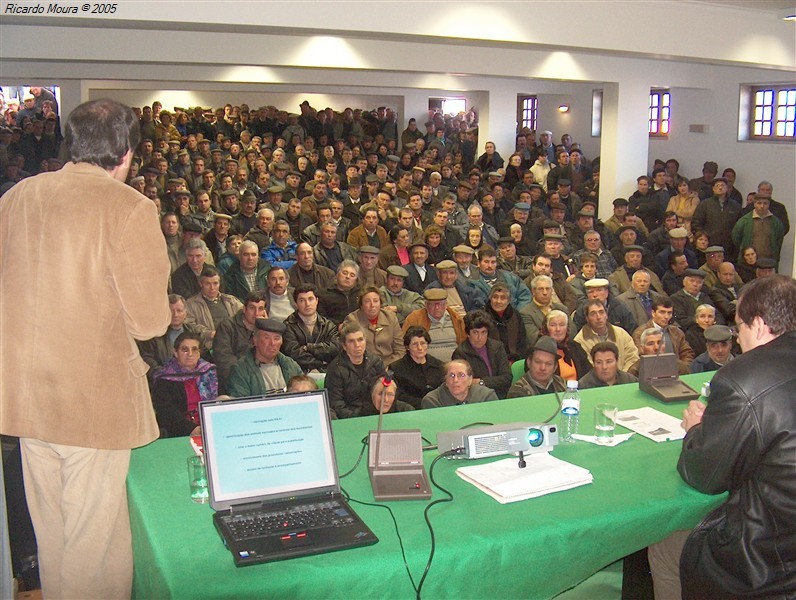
(531, 549)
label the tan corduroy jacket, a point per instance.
(84, 274)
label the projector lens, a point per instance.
(535, 438)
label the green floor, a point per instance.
(603, 585)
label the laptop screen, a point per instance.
(268, 448)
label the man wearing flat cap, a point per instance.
(398, 299)
(540, 371)
(716, 216)
(689, 297)
(264, 368)
(718, 339)
(678, 240)
(443, 324)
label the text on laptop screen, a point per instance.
(269, 447)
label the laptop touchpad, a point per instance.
(296, 539)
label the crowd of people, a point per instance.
(336, 244)
(305, 247)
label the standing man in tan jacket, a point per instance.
(74, 387)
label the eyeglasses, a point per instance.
(454, 376)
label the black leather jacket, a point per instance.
(746, 444)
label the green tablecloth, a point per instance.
(531, 549)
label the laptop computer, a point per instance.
(273, 478)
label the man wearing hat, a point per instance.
(509, 260)
(633, 260)
(678, 240)
(714, 257)
(765, 268)
(443, 324)
(420, 275)
(521, 216)
(717, 216)
(703, 186)
(546, 145)
(264, 368)
(598, 288)
(370, 275)
(718, 339)
(463, 257)
(398, 299)
(686, 300)
(615, 221)
(540, 371)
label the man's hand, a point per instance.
(693, 414)
(390, 308)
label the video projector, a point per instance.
(496, 440)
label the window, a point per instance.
(773, 113)
(448, 106)
(527, 109)
(660, 111)
(596, 113)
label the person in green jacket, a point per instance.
(264, 368)
(760, 228)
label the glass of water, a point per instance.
(197, 478)
(604, 423)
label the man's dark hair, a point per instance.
(486, 251)
(396, 231)
(101, 132)
(773, 299)
(604, 347)
(477, 319)
(657, 170)
(209, 271)
(590, 257)
(662, 302)
(416, 331)
(593, 302)
(304, 288)
(674, 256)
(254, 298)
(187, 335)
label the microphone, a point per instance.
(386, 381)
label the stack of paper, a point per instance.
(651, 423)
(506, 482)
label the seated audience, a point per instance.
(208, 308)
(398, 299)
(718, 343)
(444, 325)
(458, 388)
(572, 360)
(508, 328)
(234, 336)
(486, 357)
(384, 399)
(383, 336)
(264, 369)
(540, 372)
(417, 372)
(605, 358)
(180, 385)
(348, 374)
(598, 329)
(310, 339)
(337, 301)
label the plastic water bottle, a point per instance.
(570, 413)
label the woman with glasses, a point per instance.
(458, 388)
(180, 385)
(417, 373)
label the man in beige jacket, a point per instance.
(74, 387)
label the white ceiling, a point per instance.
(771, 6)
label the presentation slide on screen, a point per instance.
(269, 449)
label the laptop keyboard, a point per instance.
(302, 517)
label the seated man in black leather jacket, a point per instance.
(744, 442)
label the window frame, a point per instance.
(775, 109)
(660, 104)
(522, 109)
